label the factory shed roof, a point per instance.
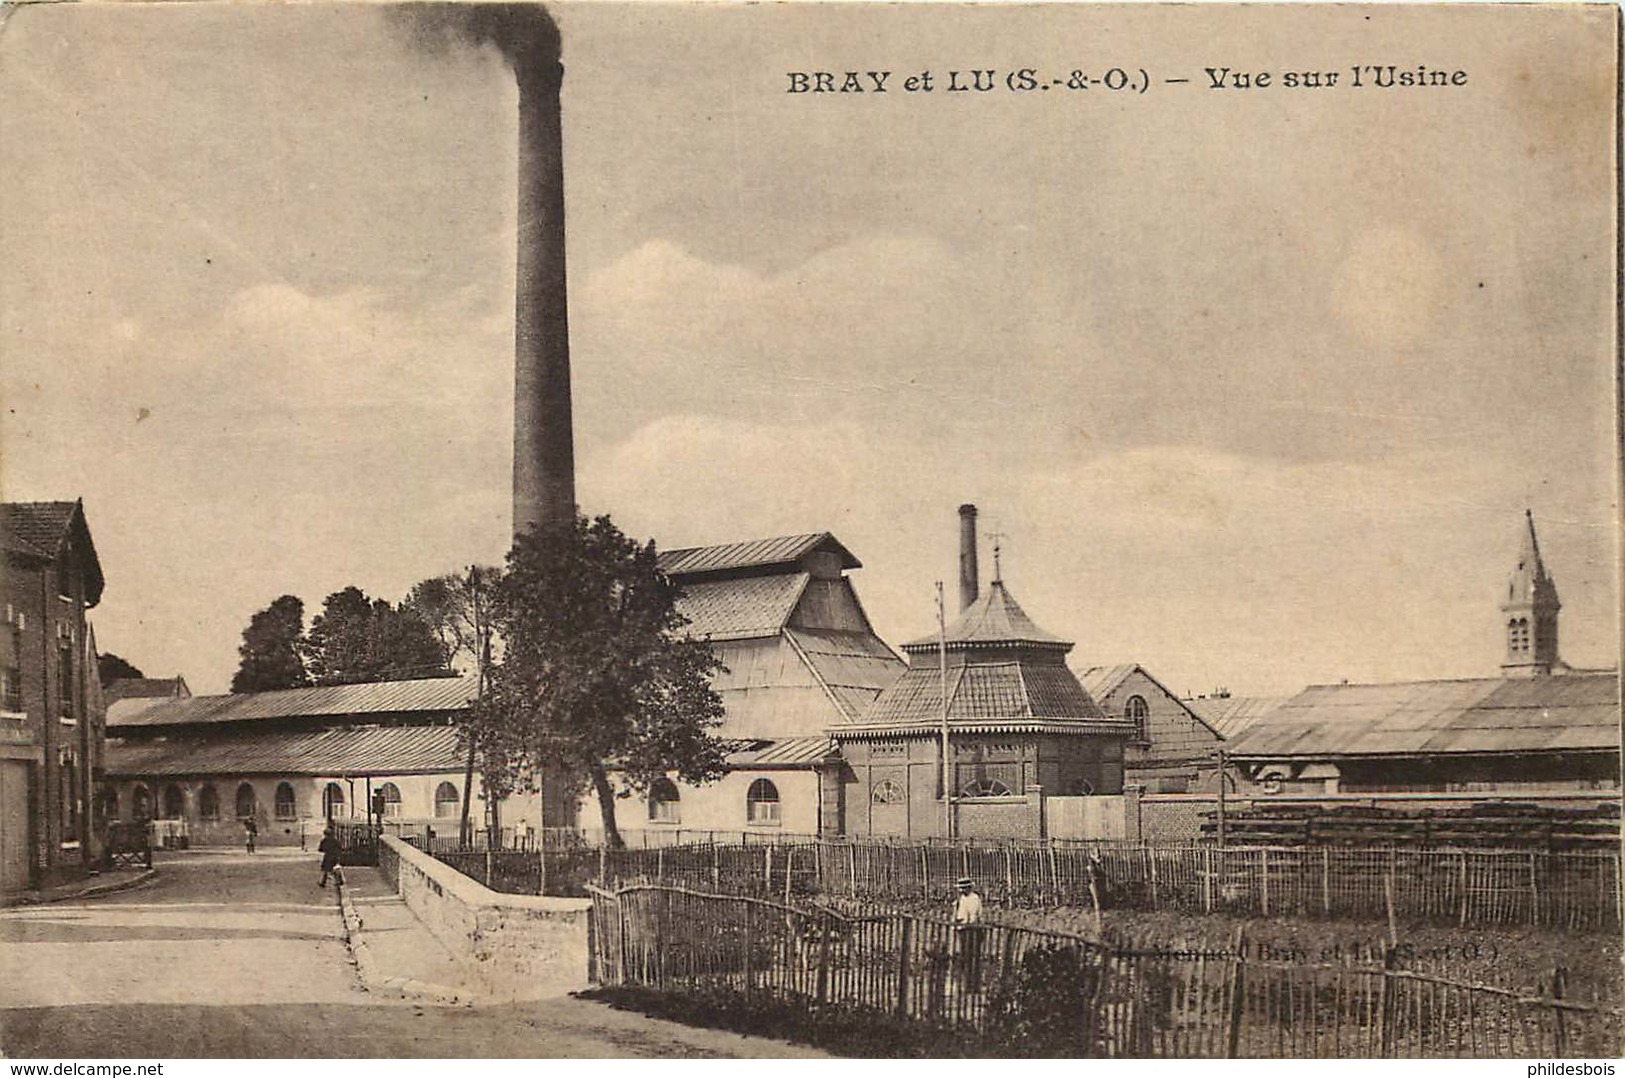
(986, 692)
(1570, 712)
(752, 555)
(420, 696)
(740, 609)
(1230, 715)
(786, 752)
(349, 750)
(147, 688)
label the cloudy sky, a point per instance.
(1256, 384)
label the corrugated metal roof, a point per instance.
(739, 609)
(376, 698)
(1099, 681)
(1229, 715)
(787, 752)
(358, 750)
(125, 688)
(853, 667)
(1574, 712)
(995, 618)
(752, 554)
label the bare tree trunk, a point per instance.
(606, 807)
(463, 836)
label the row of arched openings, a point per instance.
(284, 803)
(761, 802)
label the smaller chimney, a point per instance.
(968, 574)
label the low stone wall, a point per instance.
(515, 946)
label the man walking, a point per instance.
(330, 849)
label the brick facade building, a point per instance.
(51, 713)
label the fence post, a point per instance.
(1151, 860)
(925, 873)
(1560, 977)
(789, 871)
(902, 967)
(1054, 872)
(1238, 986)
(749, 908)
(620, 923)
(767, 887)
(1264, 880)
(852, 865)
(1009, 873)
(660, 864)
(1385, 1025)
(1534, 890)
(603, 864)
(823, 959)
(716, 867)
(1207, 879)
(1461, 881)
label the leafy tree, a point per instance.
(110, 668)
(456, 608)
(271, 654)
(356, 639)
(596, 673)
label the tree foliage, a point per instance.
(456, 608)
(271, 655)
(356, 639)
(596, 672)
(110, 668)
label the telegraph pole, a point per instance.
(942, 680)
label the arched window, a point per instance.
(285, 809)
(663, 801)
(1137, 711)
(332, 801)
(247, 803)
(886, 792)
(208, 803)
(986, 788)
(762, 803)
(446, 800)
(392, 798)
(141, 803)
(174, 802)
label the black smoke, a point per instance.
(524, 34)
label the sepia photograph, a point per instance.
(701, 530)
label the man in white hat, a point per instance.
(968, 932)
(968, 907)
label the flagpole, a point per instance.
(942, 676)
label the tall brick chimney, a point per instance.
(969, 576)
(543, 440)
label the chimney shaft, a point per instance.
(969, 576)
(543, 442)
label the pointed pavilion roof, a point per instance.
(995, 619)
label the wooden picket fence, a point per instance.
(1571, 890)
(1125, 1000)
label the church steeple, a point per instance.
(1529, 612)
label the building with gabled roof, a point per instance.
(1542, 726)
(51, 710)
(291, 759)
(146, 688)
(1172, 748)
(800, 656)
(1018, 724)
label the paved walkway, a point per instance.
(230, 955)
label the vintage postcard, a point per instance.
(700, 530)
